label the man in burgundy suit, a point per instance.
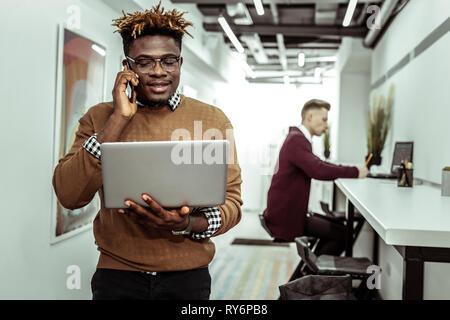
(287, 215)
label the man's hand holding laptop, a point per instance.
(159, 217)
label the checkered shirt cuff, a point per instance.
(93, 146)
(214, 222)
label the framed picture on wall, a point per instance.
(80, 85)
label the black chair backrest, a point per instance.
(305, 253)
(325, 208)
(263, 224)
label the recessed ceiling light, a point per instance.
(301, 59)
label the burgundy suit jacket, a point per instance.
(288, 195)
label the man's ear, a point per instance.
(181, 61)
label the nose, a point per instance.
(158, 70)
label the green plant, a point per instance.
(379, 122)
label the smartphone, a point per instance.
(130, 87)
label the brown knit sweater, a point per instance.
(123, 243)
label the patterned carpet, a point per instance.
(244, 272)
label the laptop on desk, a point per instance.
(402, 151)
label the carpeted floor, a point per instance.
(246, 272)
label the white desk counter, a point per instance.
(415, 221)
(417, 216)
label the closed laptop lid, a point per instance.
(173, 173)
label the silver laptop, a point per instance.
(173, 173)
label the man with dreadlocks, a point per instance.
(148, 252)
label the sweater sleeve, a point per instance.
(230, 211)
(78, 176)
(300, 154)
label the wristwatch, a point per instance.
(186, 231)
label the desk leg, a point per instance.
(350, 220)
(413, 268)
(334, 202)
(375, 247)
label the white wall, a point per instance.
(30, 267)
(354, 87)
(421, 98)
(354, 90)
(420, 113)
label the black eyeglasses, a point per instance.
(146, 65)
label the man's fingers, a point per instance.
(126, 72)
(130, 76)
(137, 208)
(141, 213)
(155, 214)
(184, 210)
(154, 206)
(126, 76)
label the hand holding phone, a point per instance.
(124, 93)
(130, 87)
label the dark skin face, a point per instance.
(157, 86)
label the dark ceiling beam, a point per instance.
(326, 13)
(362, 15)
(293, 81)
(310, 45)
(270, 1)
(293, 30)
(299, 39)
(294, 52)
(291, 63)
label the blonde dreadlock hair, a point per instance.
(152, 22)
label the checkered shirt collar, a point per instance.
(174, 101)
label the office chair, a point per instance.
(264, 225)
(340, 216)
(329, 265)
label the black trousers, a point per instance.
(331, 233)
(109, 284)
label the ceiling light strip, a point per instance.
(349, 14)
(230, 34)
(259, 7)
